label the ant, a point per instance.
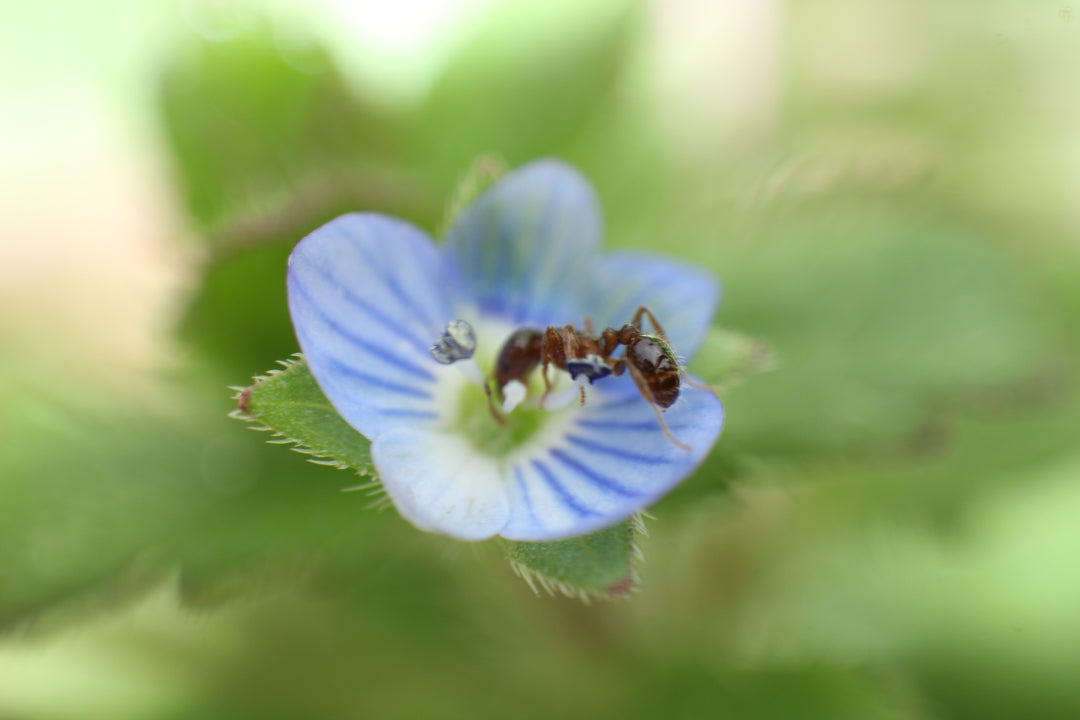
(649, 359)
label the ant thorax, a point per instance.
(567, 352)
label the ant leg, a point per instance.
(643, 386)
(494, 409)
(545, 360)
(636, 322)
(547, 381)
(555, 346)
(571, 343)
(609, 341)
(667, 431)
(695, 384)
(589, 326)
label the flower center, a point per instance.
(499, 421)
(488, 435)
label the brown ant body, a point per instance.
(649, 359)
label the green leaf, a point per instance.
(239, 317)
(290, 403)
(255, 133)
(727, 358)
(599, 565)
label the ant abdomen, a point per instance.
(658, 367)
(519, 356)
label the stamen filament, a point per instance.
(472, 372)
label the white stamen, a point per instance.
(563, 398)
(513, 393)
(472, 372)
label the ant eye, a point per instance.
(457, 342)
(592, 367)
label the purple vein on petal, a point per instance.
(476, 265)
(381, 352)
(563, 494)
(407, 412)
(477, 253)
(601, 481)
(389, 324)
(520, 480)
(616, 452)
(649, 425)
(526, 293)
(618, 403)
(402, 297)
(505, 227)
(341, 368)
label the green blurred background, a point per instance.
(889, 527)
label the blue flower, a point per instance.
(370, 295)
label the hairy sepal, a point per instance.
(598, 566)
(289, 403)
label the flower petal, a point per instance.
(524, 250)
(683, 297)
(366, 303)
(440, 483)
(612, 462)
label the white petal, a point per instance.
(440, 483)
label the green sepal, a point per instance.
(601, 565)
(290, 403)
(727, 358)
